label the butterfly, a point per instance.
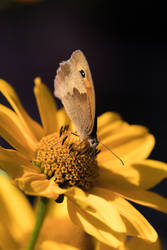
(73, 85)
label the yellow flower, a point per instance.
(49, 161)
(17, 219)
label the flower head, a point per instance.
(66, 160)
(50, 161)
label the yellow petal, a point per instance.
(133, 144)
(108, 122)
(111, 130)
(107, 118)
(128, 145)
(27, 176)
(14, 210)
(96, 216)
(47, 106)
(136, 224)
(100, 246)
(125, 132)
(146, 198)
(98, 208)
(38, 185)
(15, 164)
(139, 244)
(94, 227)
(6, 240)
(32, 128)
(14, 133)
(148, 173)
(125, 187)
(2, 172)
(132, 244)
(119, 178)
(144, 174)
(58, 211)
(52, 245)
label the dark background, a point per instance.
(125, 44)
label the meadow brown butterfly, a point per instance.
(74, 87)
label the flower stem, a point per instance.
(39, 221)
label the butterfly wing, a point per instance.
(77, 92)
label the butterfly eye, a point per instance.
(82, 73)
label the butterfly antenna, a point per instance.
(113, 153)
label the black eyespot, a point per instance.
(82, 73)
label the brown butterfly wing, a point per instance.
(77, 93)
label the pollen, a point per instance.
(66, 159)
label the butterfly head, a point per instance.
(93, 141)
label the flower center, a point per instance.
(67, 160)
